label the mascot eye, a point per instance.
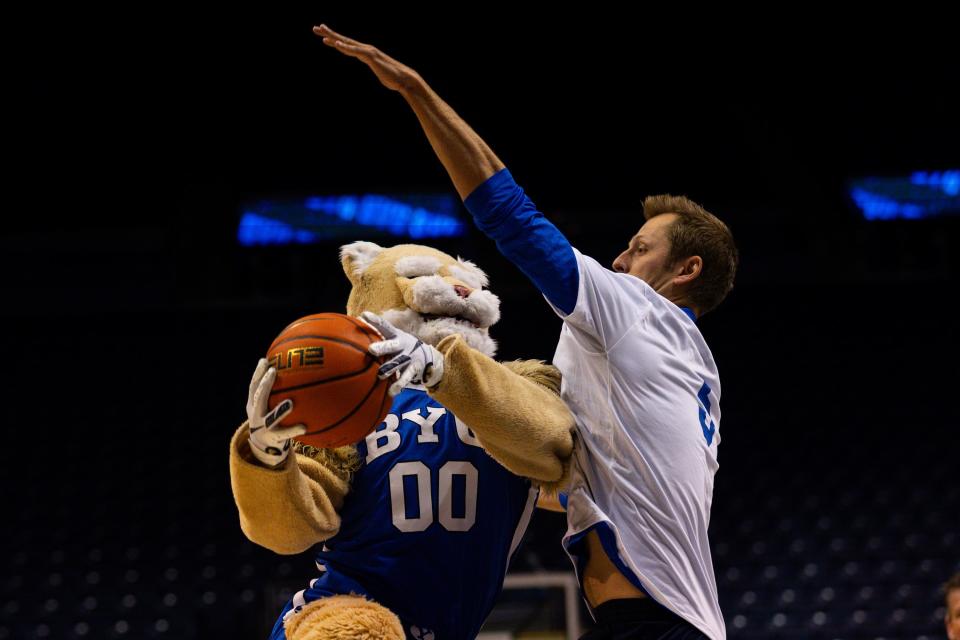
(417, 267)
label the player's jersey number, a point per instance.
(424, 489)
(706, 423)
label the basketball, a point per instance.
(323, 366)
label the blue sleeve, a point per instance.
(525, 237)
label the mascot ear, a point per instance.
(356, 257)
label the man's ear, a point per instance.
(356, 257)
(687, 270)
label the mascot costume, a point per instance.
(419, 520)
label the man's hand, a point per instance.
(269, 442)
(392, 74)
(416, 362)
(464, 155)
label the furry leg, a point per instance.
(344, 618)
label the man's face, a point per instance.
(953, 614)
(647, 254)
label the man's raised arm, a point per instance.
(499, 206)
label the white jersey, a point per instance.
(639, 378)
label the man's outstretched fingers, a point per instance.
(392, 74)
(348, 49)
(327, 32)
(334, 39)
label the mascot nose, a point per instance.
(462, 291)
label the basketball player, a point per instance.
(637, 375)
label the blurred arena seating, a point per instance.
(834, 513)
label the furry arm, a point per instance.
(514, 409)
(288, 509)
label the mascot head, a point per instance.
(422, 291)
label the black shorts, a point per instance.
(639, 619)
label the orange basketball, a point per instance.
(323, 365)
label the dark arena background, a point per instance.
(177, 189)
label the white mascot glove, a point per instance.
(269, 442)
(416, 362)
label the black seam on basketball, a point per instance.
(313, 318)
(363, 327)
(357, 323)
(319, 382)
(352, 411)
(321, 318)
(330, 338)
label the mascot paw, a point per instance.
(344, 618)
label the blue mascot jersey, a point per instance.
(428, 527)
